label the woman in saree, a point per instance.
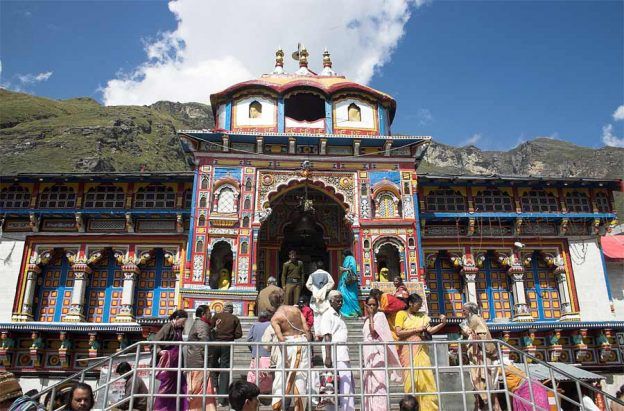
(377, 357)
(169, 355)
(348, 287)
(410, 326)
(518, 384)
(400, 288)
(390, 306)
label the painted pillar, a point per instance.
(29, 293)
(564, 292)
(281, 122)
(329, 123)
(421, 256)
(521, 309)
(469, 272)
(81, 278)
(126, 312)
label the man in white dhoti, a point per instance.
(319, 283)
(333, 329)
(289, 385)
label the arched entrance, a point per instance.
(306, 219)
(388, 254)
(221, 258)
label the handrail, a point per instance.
(492, 387)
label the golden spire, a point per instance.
(326, 59)
(279, 62)
(303, 57)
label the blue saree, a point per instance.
(350, 303)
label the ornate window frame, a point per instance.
(15, 196)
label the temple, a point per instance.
(303, 161)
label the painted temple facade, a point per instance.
(303, 161)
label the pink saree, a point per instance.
(169, 381)
(375, 378)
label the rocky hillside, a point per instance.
(80, 135)
(43, 135)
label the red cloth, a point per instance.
(308, 314)
(390, 304)
(613, 246)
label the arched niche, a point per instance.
(389, 254)
(221, 258)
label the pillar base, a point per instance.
(22, 317)
(570, 317)
(73, 318)
(523, 318)
(124, 318)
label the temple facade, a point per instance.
(304, 162)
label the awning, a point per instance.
(540, 372)
(613, 246)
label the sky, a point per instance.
(488, 73)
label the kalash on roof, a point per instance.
(303, 102)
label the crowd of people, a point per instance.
(288, 373)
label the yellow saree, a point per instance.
(418, 380)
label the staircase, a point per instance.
(454, 381)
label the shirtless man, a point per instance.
(290, 326)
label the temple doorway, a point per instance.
(221, 262)
(388, 257)
(309, 221)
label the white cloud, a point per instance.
(610, 139)
(27, 79)
(219, 43)
(424, 116)
(618, 114)
(473, 140)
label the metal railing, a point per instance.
(452, 388)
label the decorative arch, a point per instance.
(444, 282)
(225, 197)
(389, 253)
(320, 185)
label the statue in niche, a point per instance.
(355, 114)
(255, 110)
(223, 282)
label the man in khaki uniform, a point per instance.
(292, 278)
(262, 302)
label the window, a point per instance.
(493, 290)
(255, 109)
(202, 220)
(355, 113)
(247, 204)
(199, 246)
(245, 221)
(248, 184)
(188, 199)
(445, 200)
(602, 203)
(226, 200)
(536, 201)
(244, 247)
(54, 288)
(154, 196)
(541, 289)
(57, 197)
(14, 197)
(493, 200)
(386, 207)
(445, 284)
(155, 293)
(577, 202)
(103, 294)
(204, 183)
(410, 242)
(105, 197)
(202, 202)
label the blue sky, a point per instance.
(492, 73)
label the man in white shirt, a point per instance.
(333, 329)
(320, 282)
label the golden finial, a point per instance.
(326, 59)
(279, 57)
(303, 57)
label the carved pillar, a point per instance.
(126, 312)
(81, 279)
(521, 309)
(564, 292)
(29, 294)
(469, 271)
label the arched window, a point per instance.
(14, 197)
(445, 284)
(493, 200)
(105, 197)
(245, 221)
(202, 202)
(255, 109)
(366, 244)
(602, 202)
(204, 182)
(410, 242)
(445, 200)
(355, 113)
(536, 201)
(201, 221)
(57, 197)
(248, 185)
(244, 247)
(386, 206)
(154, 196)
(226, 201)
(247, 204)
(577, 202)
(199, 246)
